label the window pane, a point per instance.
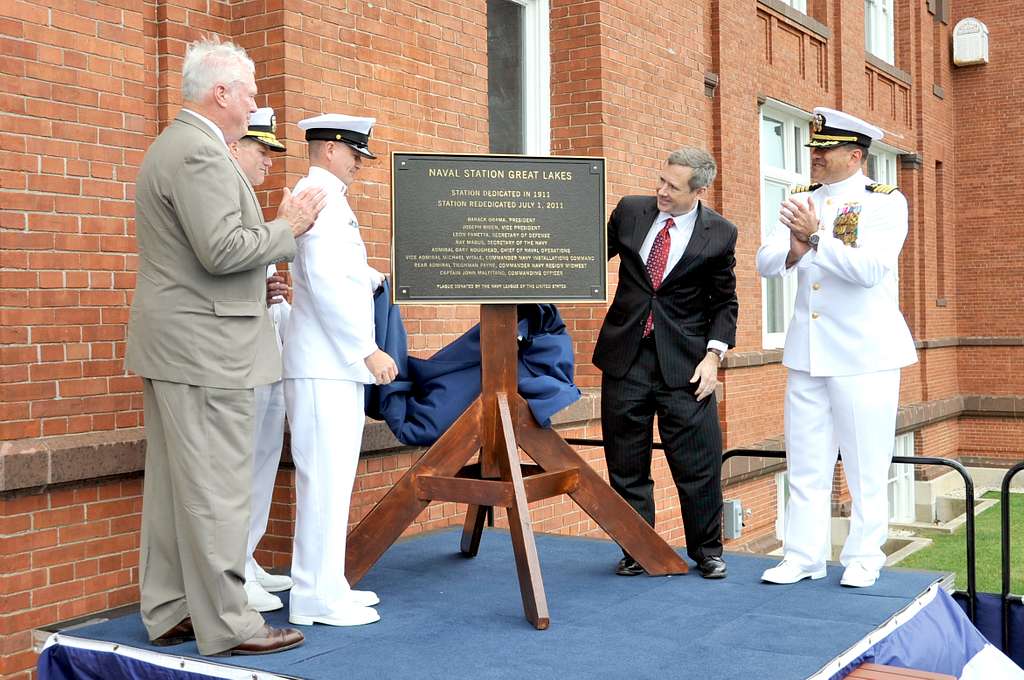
(774, 306)
(869, 25)
(798, 149)
(773, 150)
(505, 76)
(772, 196)
(873, 167)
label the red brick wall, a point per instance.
(749, 416)
(74, 121)
(992, 370)
(760, 501)
(67, 553)
(987, 187)
(993, 439)
(941, 440)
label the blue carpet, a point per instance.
(446, 616)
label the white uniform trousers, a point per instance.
(857, 414)
(326, 421)
(267, 444)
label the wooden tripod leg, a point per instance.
(473, 529)
(614, 515)
(531, 585)
(401, 505)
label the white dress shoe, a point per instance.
(786, 572)
(363, 598)
(272, 583)
(260, 599)
(351, 615)
(858, 576)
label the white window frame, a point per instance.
(781, 499)
(799, 5)
(886, 158)
(885, 163)
(797, 171)
(879, 29)
(900, 484)
(536, 76)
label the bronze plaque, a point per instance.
(488, 229)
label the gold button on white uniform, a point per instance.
(816, 286)
(814, 315)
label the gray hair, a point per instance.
(698, 160)
(209, 61)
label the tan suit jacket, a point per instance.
(199, 315)
(200, 335)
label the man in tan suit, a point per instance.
(200, 337)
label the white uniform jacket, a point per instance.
(847, 319)
(330, 329)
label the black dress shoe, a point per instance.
(182, 632)
(713, 567)
(629, 567)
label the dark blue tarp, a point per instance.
(430, 394)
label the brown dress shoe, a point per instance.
(182, 632)
(267, 641)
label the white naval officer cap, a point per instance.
(831, 128)
(262, 126)
(337, 127)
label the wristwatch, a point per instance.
(813, 240)
(717, 352)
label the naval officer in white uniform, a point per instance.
(252, 152)
(329, 355)
(846, 344)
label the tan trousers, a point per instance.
(195, 512)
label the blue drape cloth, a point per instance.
(430, 394)
(60, 662)
(939, 639)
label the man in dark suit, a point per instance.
(672, 320)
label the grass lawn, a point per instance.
(948, 552)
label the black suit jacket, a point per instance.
(695, 302)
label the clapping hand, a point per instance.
(800, 219)
(301, 209)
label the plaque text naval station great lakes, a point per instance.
(480, 229)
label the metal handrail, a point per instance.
(1004, 547)
(972, 589)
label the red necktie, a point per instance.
(656, 261)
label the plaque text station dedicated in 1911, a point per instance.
(479, 229)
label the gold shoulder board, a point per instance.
(881, 188)
(803, 188)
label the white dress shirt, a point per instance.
(680, 233)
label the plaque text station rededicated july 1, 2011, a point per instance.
(477, 229)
